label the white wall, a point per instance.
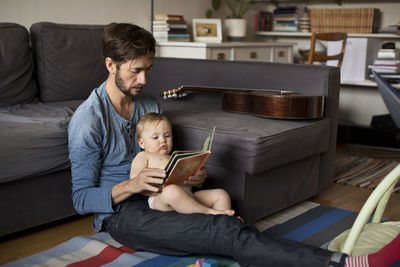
(27, 12)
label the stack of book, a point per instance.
(394, 28)
(285, 19)
(387, 64)
(348, 20)
(168, 27)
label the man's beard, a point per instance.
(121, 86)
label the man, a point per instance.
(102, 145)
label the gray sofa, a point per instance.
(265, 164)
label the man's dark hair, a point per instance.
(124, 41)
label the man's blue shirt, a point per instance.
(102, 145)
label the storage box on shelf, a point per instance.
(348, 20)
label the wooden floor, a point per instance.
(36, 240)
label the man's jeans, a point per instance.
(141, 228)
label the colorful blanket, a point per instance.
(102, 250)
(308, 223)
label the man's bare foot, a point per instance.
(216, 212)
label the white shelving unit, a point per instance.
(249, 51)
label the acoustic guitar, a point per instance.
(277, 104)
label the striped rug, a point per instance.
(364, 172)
(306, 222)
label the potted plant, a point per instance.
(235, 24)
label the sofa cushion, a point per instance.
(33, 139)
(246, 142)
(69, 60)
(16, 66)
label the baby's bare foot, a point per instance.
(226, 212)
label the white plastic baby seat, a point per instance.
(365, 238)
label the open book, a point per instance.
(185, 163)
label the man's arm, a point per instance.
(144, 183)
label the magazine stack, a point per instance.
(387, 64)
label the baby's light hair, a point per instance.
(149, 118)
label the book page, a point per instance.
(207, 143)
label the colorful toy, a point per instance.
(199, 262)
(210, 263)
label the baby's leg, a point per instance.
(214, 198)
(173, 197)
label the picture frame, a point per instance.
(207, 30)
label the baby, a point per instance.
(154, 135)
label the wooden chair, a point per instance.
(322, 56)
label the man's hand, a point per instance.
(197, 179)
(148, 182)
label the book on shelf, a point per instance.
(285, 18)
(185, 163)
(388, 54)
(178, 26)
(179, 37)
(385, 62)
(168, 27)
(168, 17)
(389, 29)
(385, 69)
(263, 21)
(177, 31)
(391, 78)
